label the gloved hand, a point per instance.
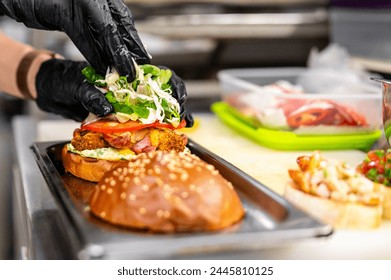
(179, 92)
(61, 90)
(103, 30)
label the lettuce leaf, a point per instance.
(92, 77)
(149, 93)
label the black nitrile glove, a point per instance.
(179, 93)
(103, 30)
(61, 90)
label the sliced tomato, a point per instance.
(291, 105)
(108, 126)
(351, 116)
(311, 116)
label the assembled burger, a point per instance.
(145, 118)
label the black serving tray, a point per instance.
(270, 220)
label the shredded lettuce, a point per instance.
(93, 77)
(147, 99)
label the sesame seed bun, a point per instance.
(166, 192)
(90, 169)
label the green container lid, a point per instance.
(286, 140)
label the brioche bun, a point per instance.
(339, 214)
(90, 169)
(166, 192)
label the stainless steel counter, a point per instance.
(39, 232)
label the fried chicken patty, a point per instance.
(88, 140)
(143, 140)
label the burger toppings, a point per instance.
(331, 179)
(143, 140)
(148, 99)
(108, 126)
(166, 192)
(110, 154)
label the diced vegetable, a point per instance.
(376, 166)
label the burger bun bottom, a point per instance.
(89, 169)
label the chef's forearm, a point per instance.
(11, 55)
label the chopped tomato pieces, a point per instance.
(377, 166)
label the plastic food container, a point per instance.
(270, 100)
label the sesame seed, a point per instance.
(124, 185)
(107, 180)
(199, 169)
(121, 177)
(103, 187)
(109, 191)
(210, 167)
(192, 187)
(102, 214)
(172, 176)
(142, 210)
(157, 170)
(160, 213)
(132, 197)
(145, 188)
(184, 176)
(123, 195)
(166, 214)
(112, 183)
(127, 179)
(215, 172)
(167, 195)
(136, 180)
(159, 182)
(185, 195)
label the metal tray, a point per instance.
(270, 220)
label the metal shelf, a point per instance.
(234, 2)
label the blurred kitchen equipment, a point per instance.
(386, 106)
(246, 39)
(362, 27)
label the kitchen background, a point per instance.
(198, 38)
